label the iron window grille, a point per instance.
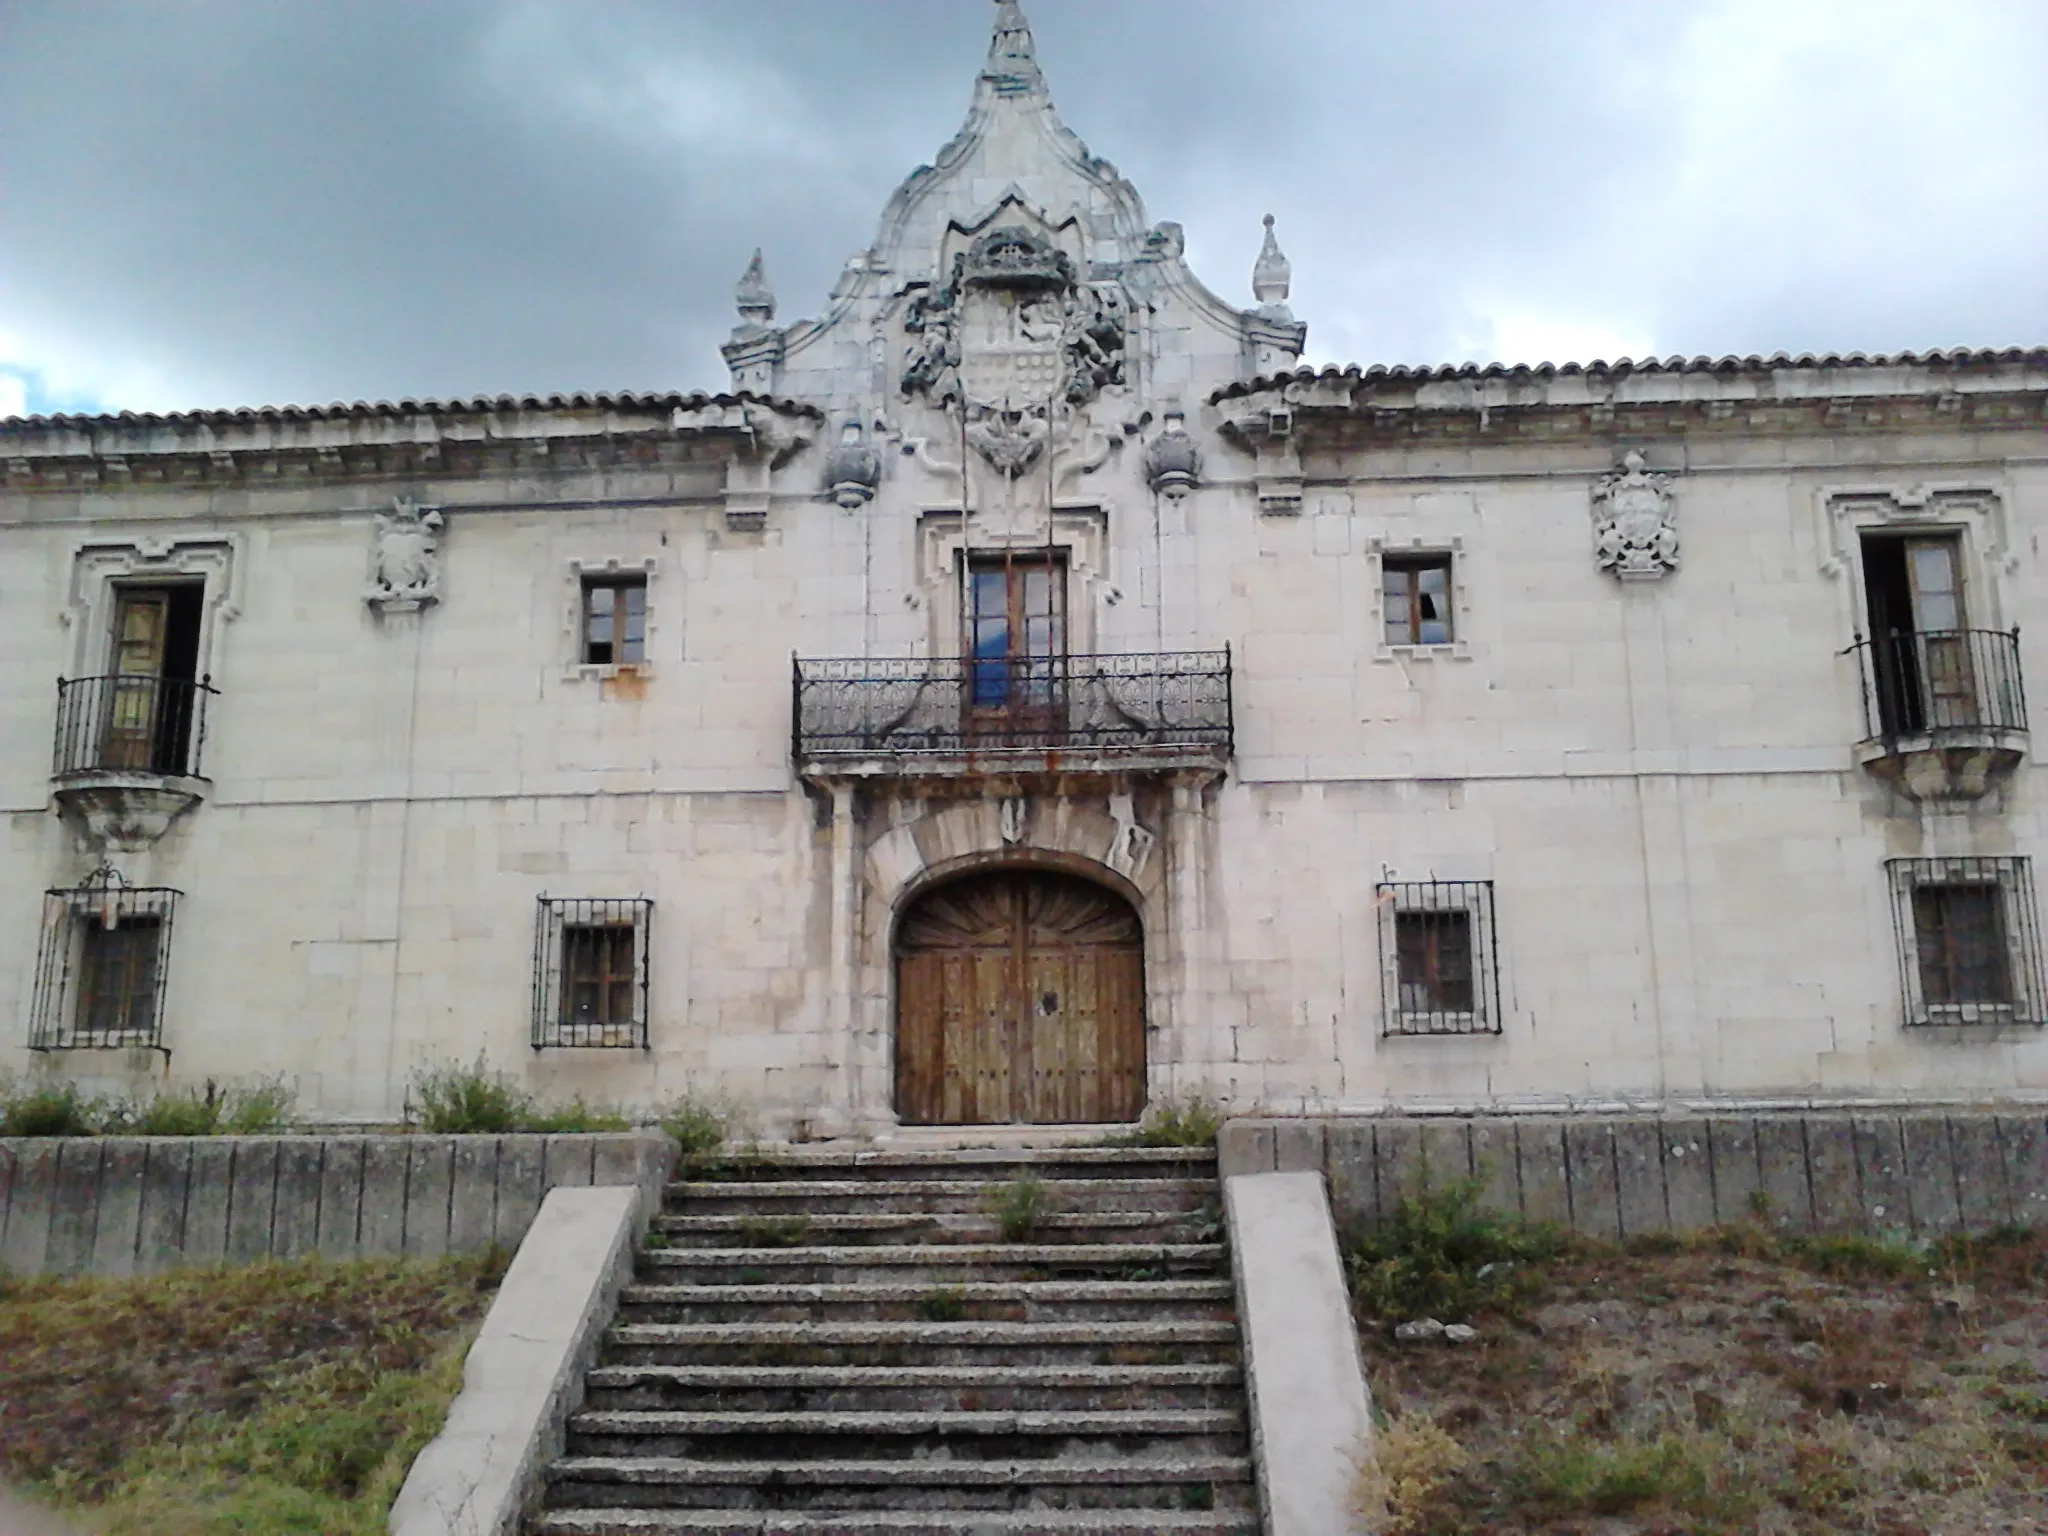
(102, 966)
(590, 972)
(1969, 941)
(1439, 960)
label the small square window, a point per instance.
(102, 964)
(1969, 943)
(1415, 599)
(591, 972)
(1437, 958)
(614, 623)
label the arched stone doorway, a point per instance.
(1020, 999)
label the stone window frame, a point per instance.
(1974, 512)
(101, 567)
(576, 571)
(1459, 646)
(1080, 538)
(555, 917)
(1475, 898)
(2012, 877)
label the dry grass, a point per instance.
(1733, 1383)
(275, 1398)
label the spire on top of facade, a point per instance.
(753, 298)
(1272, 273)
(1012, 67)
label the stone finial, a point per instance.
(756, 303)
(1272, 273)
(1012, 66)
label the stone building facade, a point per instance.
(1025, 693)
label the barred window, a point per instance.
(102, 966)
(1438, 958)
(590, 972)
(1969, 940)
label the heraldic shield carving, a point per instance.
(1635, 523)
(1012, 338)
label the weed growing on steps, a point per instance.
(1191, 1120)
(1441, 1254)
(774, 1231)
(708, 1132)
(1020, 1206)
(943, 1304)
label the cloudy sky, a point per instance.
(228, 202)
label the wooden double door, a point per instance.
(1020, 999)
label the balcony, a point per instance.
(1944, 711)
(938, 716)
(126, 763)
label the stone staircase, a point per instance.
(831, 1343)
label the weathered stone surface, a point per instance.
(1739, 1191)
(1311, 1416)
(429, 1161)
(381, 1224)
(117, 1224)
(25, 1243)
(295, 1221)
(208, 1190)
(1446, 1153)
(521, 1161)
(1688, 1174)
(252, 1199)
(1640, 1200)
(1353, 1172)
(1589, 1167)
(1981, 1190)
(74, 1207)
(473, 1193)
(341, 1197)
(1298, 1146)
(1881, 1173)
(1546, 1191)
(1931, 1179)
(1245, 1146)
(1402, 1175)
(1494, 1165)
(2024, 1139)
(166, 1185)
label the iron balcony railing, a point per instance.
(131, 724)
(1941, 682)
(860, 706)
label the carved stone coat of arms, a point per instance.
(1635, 523)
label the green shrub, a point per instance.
(1022, 1203)
(1439, 1254)
(455, 1100)
(211, 1110)
(699, 1126)
(574, 1116)
(48, 1109)
(1192, 1120)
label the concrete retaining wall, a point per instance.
(120, 1205)
(1904, 1173)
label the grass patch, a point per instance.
(1020, 1206)
(702, 1127)
(212, 1110)
(48, 1108)
(943, 1304)
(455, 1100)
(1441, 1254)
(774, 1231)
(271, 1398)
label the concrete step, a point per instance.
(834, 1389)
(932, 1263)
(963, 1195)
(870, 1436)
(922, 1343)
(970, 1301)
(976, 1163)
(866, 1228)
(934, 1522)
(1207, 1482)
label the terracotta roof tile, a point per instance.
(480, 404)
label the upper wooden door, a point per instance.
(1020, 999)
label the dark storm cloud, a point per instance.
(218, 202)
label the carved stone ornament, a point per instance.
(853, 469)
(1635, 524)
(1173, 464)
(405, 559)
(1012, 336)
